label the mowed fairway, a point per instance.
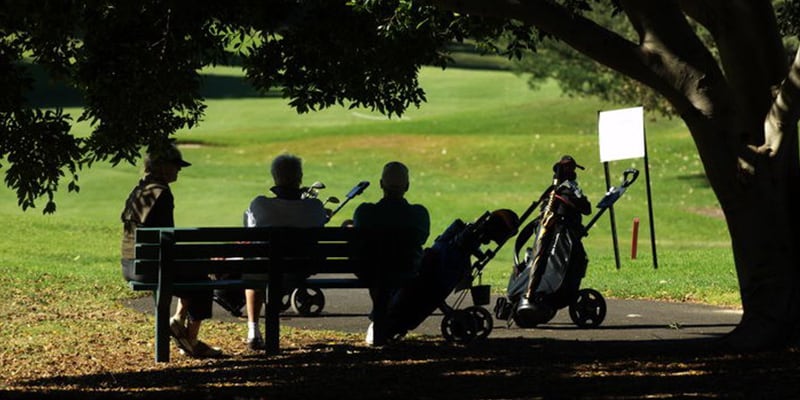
(483, 141)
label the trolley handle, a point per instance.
(629, 176)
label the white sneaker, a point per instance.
(370, 336)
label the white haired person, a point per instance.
(286, 209)
(151, 204)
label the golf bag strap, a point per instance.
(523, 237)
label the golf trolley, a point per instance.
(554, 281)
(447, 268)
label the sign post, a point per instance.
(622, 136)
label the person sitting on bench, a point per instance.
(392, 211)
(286, 209)
(150, 204)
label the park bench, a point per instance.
(337, 252)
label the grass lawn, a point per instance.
(483, 141)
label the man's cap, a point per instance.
(395, 176)
(169, 154)
(566, 161)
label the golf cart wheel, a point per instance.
(286, 302)
(459, 326)
(483, 321)
(589, 309)
(307, 301)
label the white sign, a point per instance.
(621, 134)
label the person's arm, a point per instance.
(423, 227)
(161, 214)
(320, 214)
(359, 215)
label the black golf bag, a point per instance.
(548, 277)
(231, 300)
(447, 267)
(556, 275)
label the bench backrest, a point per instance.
(254, 250)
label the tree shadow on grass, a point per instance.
(47, 93)
(492, 369)
(699, 180)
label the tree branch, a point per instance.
(785, 111)
(713, 118)
(677, 54)
(750, 50)
(582, 34)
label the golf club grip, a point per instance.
(355, 191)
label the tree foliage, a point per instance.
(136, 66)
(579, 76)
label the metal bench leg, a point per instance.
(272, 327)
(163, 301)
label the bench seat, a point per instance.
(338, 253)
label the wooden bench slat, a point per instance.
(335, 283)
(212, 284)
(207, 266)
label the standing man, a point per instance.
(286, 209)
(151, 204)
(392, 211)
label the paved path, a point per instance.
(635, 320)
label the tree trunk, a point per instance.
(763, 224)
(744, 129)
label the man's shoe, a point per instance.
(179, 335)
(255, 344)
(202, 350)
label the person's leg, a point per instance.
(376, 333)
(199, 308)
(177, 325)
(193, 330)
(181, 310)
(254, 299)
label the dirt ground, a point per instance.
(314, 366)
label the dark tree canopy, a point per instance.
(137, 64)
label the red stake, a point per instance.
(635, 240)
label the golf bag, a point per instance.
(231, 300)
(447, 267)
(549, 276)
(554, 280)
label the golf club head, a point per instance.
(309, 193)
(312, 192)
(332, 199)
